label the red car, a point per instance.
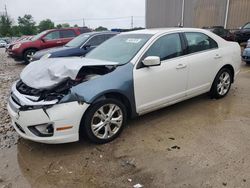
(47, 39)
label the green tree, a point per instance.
(65, 25)
(100, 28)
(5, 25)
(16, 31)
(27, 25)
(45, 25)
(59, 26)
(76, 25)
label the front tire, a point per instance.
(222, 84)
(104, 121)
(27, 56)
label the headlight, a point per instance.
(46, 56)
(16, 46)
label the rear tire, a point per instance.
(104, 121)
(222, 83)
(27, 56)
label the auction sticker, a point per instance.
(135, 41)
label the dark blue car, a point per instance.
(79, 46)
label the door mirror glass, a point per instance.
(151, 61)
(86, 46)
(43, 39)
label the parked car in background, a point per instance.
(246, 53)
(79, 46)
(58, 99)
(222, 32)
(3, 43)
(22, 38)
(243, 35)
(47, 39)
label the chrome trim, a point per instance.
(15, 107)
(25, 100)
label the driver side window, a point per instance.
(52, 35)
(166, 47)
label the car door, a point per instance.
(67, 35)
(158, 86)
(203, 58)
(52, 39)
(93, 42)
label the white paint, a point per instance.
(183, 77)
(67, 114)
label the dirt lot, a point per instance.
(196, 143)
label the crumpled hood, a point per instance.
(47, 73)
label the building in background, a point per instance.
(197, 13)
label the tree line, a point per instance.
(27, 26)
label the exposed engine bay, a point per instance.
(63, 88)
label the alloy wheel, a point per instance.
(223, 83)
(107, 121)
(30, 55)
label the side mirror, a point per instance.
(86, 46)
(152, 61)
(43, 39)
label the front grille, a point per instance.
(26, 90)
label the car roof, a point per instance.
(100, 32)
(159, 31)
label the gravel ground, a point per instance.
(9, 72)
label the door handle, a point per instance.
(217, 56)
(59, 42)
(181, 66)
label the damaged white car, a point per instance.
(56, 100)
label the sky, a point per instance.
(107, 13)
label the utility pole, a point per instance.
(6, 13)
(226, 14)
(83, 22)
(132, 22)
(182, 13)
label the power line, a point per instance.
(100, 19)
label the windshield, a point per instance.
(36, 37)
(78, 41)
(120, 49)
(247, 26)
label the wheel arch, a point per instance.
(119, 96)
(230, 67)
(109, 95)
(30, 48)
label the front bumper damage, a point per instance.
(60, 121)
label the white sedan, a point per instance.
(131, 74)
(3, 44)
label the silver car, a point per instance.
(2, 44)
(246, 53)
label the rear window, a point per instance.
(199, 42)
(67, 33)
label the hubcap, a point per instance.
(30, 55)
(107, 121)
(224, 83)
